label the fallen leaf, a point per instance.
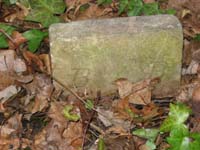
(17, 40)
(176, 3)
(55, 111)
(34, 63)
(124, 87)
(142, 97)
(137, 93)
(59, 134)
(192, 68)
(8, 92)
(6, 80)
(90, 13)
(9, 62)
(51, 138)
(19, 66)
(196, 101)
(148, 1)
(7, 58)
(9, 132)
(46, 59)
(119, 142)
(74, 134)
(44, 89)
(110, 119)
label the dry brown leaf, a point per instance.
(7, 58)
(9, 132)
(137, 93)
(74, 134)
(142, 97)
(124, 87)
(75, 3)
(70, 3)
(192, 68)
(92, 12)
(7, 93)
(55, 112)
(196, 101)
(119, 142)
(148, 1)
(176, 3)
(46, 61)
(19, 66)
(24, 79)
(118, 130)
(10, 67)
(6, 80)
(9, 62)
(33, 62)
(43, 90)
(187, 11)
(17, 40)
(59, 134)
(120, 118)
(51, 138)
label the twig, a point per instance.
(77, 96)
(8, 36)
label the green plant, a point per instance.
(7, 30)
(149, 134)
(89, 104)
(34, 38)
(44, 11)
(138, 7)
(179, 136)
(70, 116)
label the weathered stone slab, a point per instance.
(93, 53)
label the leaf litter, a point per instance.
(38, 114)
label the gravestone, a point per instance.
(92, 54)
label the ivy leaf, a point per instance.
(179, 139)
(89, 104)
(135, 7)
(68, 115)
(44, 11)
(150, 145)
(196, 141)
(149, 134)
(151, 9)
(7, 29)
(122, 6)
(34, 38)
(177, 116)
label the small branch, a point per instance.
(78, 97)
(8, 36)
